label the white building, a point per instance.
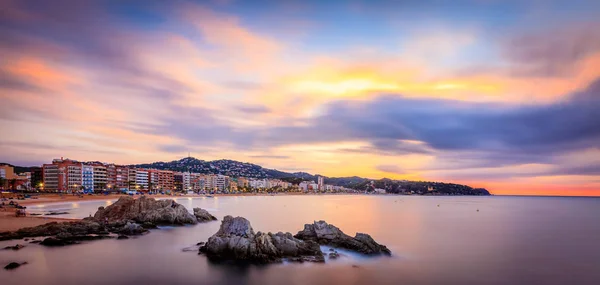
(320, 183)
(222, 182)
(187, 181)
(141, 179)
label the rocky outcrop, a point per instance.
(237, 241)
(13, 265)
(146, 210)
(326, 234)
(15, 247)
(203, 215)
(79, 228)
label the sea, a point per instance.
(495, 240)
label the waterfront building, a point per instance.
(87, 178)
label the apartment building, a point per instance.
(63, 175)
(87, 178)
(100, 177)
(141, 179)
(122, 178)
(165, 180)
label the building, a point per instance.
(63, 175)
(320, 183)
(37, 178)
(165, 180)
(222, 182)
(100, 177)
(198, 182)
(178, 181)
(111, 177)
(7, 172)
(87, 178)
(141, 179)
(153, 179)
(187, 181)
(122, 178)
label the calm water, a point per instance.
(511, 240)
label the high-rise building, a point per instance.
(320, 183)
(87, 178)
(153, 180)
(132, 179)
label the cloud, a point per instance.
(553, 52)
(390, 169)
(270, 156)
(253, 109)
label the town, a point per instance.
(71, 176)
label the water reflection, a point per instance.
(511, 240)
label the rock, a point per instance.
(13, 265)
(200, 243)
(56, 213)
(52, 241)
(144, 210)
(237, 241)
(326, 234)
(334, 255)
(15, 247)
(123, 237)
(148, 225)
(35, 241)
(132, 229)
(69, 239)
(203, 215)
(83, 227)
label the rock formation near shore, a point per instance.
(203, 215)
(144, 210)
(236, 241)
(325, 234)
(127, 216)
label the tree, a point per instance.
(13, 184)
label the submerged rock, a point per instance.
(13, 265)
(84, 227)
(15, 247)
(325, 234)
(146, 210)
(237, 241)
(122, 237)
(132, 229)
(203, 215)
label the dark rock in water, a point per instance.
(132, 229)
(52, 241)
(203, 215)
(123, 237)
(35, 214)
(13, 265)
(35, 241)
(26, 239)
(83, 227)
(334, 255)
(326, 234)
(237, 241)
(144, 210)
(200, 243)
(63, 239)
(15, 247)
(148, 225)
(56, 213)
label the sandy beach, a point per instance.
(9, 222)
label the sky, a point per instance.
(497, 94)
